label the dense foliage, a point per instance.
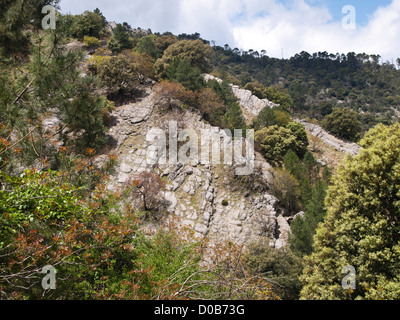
(361, 228)
(316, 83)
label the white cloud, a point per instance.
(258, 24)
(311, 29)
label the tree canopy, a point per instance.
(361, 228)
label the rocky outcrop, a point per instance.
(339, 145)
(251, 104)
(207, 197)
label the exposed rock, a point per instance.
(125, 168)
(321, 162)
(250, 103)
(340, 145)
(300, 214)
(284, 230)
(195, 192)
(171, 201)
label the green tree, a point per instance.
(304, 228)
(285, 187)
(121, 40)
(233, 118)
(265, 118)
(280, 96)
(361, 228)
(292, 163)
(276, 141)
(344, 123)
(300, 133)
(279, 265)
(86, 113)
(256, 88)
(163, 42)
(49, 83)
(147, 45)
(183, 72)
(194, 51)
(103, 18)
(311, 166)
(87, 24)
(16, 17)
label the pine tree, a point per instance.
(303, 228)
(121, 39)
(148, 46)
(183, 72)
(234, 119)
(265, 118)
(49, 83)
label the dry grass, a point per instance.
(325, 152)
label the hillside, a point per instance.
(156, 166)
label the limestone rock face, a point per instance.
(327, 138)
(207, 197)
(251, 104)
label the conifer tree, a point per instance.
(303, 228)
(234, 119)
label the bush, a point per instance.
(279, 265)
(91, 42)
(343, 123)
(87, 24)
(169, 91)
(121, 75)
(183, 72)
(274, 142)
(95, 60)
(195, 51)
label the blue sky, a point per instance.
(290, 26)
(365, 8)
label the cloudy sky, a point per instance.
(277, 26)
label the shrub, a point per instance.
(344, 123)
(121, 75)
(95, 60)
(91, 42)
(195, 51)
(279, 265)
(274, 142)
(87, 24)
(183, 72)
